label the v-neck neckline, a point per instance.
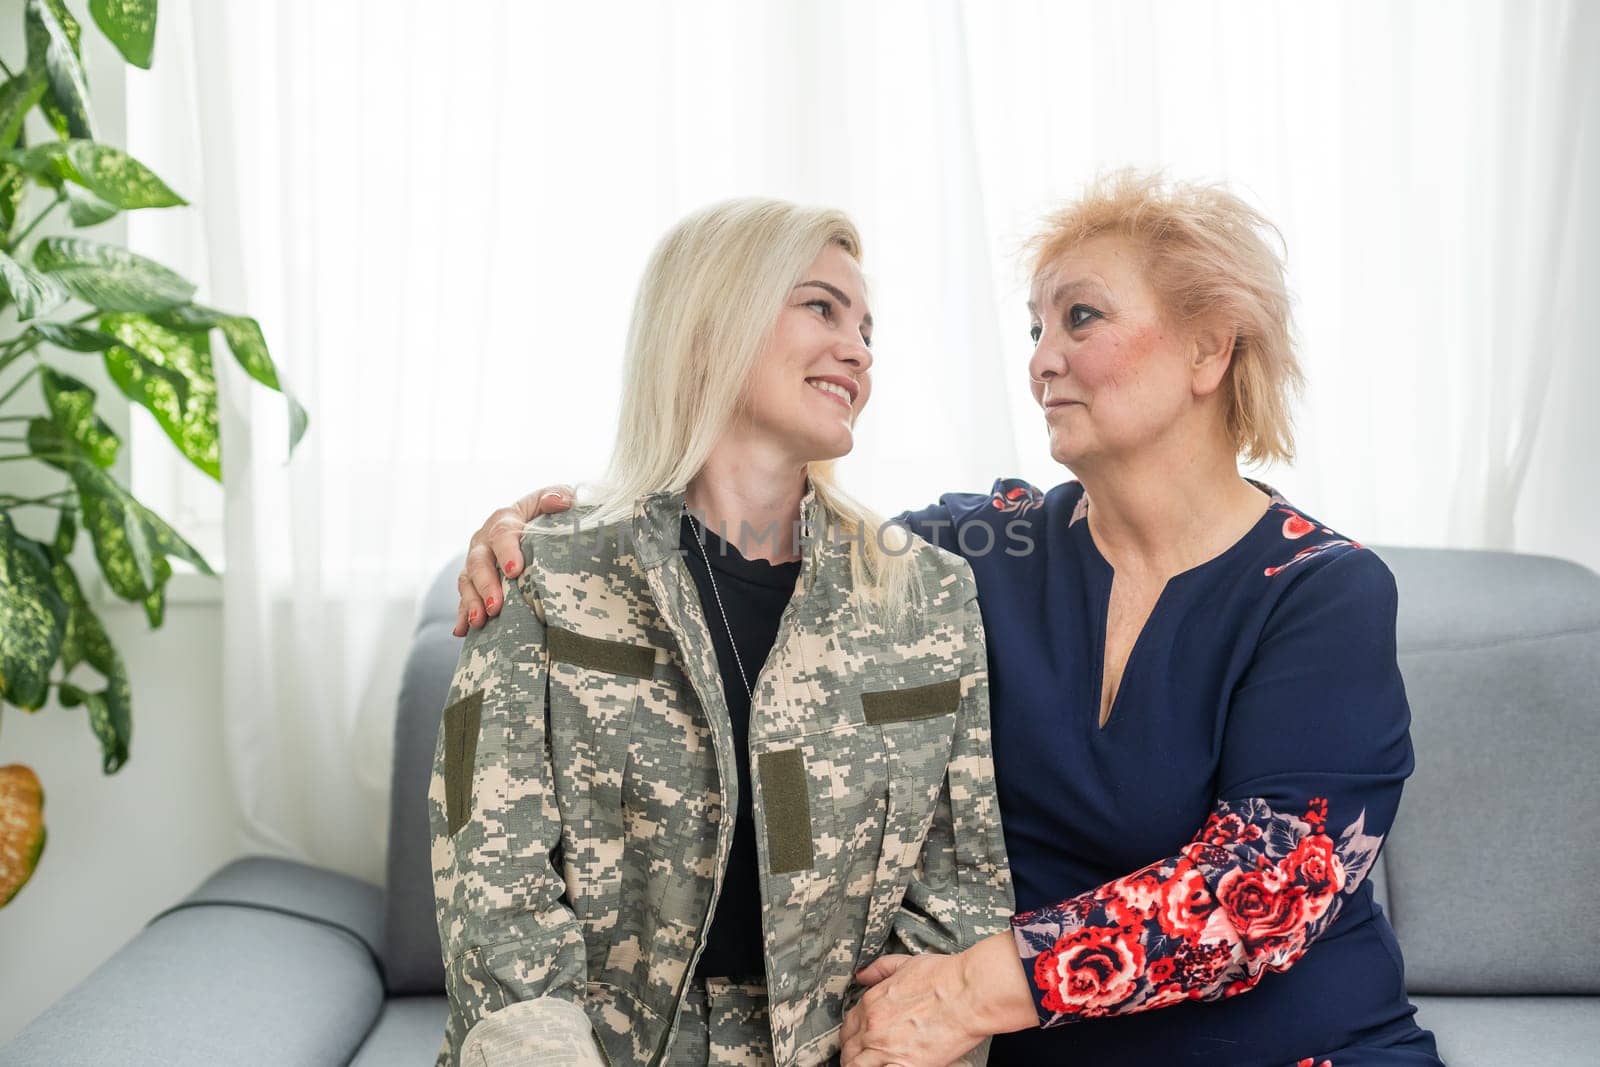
(1107, 575)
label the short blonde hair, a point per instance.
(1207, 257)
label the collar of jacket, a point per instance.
(656, 519)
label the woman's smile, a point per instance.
(834, 387)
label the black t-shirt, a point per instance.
(753, 594)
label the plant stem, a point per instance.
(48, 500)
(11, 356)
(18, 384)
(19, 238)
(41, 456)
(6, 69)
(8, 504)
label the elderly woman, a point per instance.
(1200, 731)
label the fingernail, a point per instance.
(473, 615)
(490, 603)
(509, 566)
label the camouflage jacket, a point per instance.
(583, 796)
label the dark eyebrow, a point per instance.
(1060, 292)
(838, 294)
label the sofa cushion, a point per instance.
(1495, 1031)
(409, 1032)
(213, 984)
(1489, 867)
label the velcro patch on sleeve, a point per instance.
(461, 725)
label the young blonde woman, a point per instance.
(1200, 728)
(716, 750)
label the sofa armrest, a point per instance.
(268, 962)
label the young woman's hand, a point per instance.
(497, 547)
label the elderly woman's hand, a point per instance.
(913, 1016)
(500, 539)
(932, 1010)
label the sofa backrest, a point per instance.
(411, 956)
(1489, 872)
(1491, 867)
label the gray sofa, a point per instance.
(1490, 874)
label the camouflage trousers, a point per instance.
(723, 1024)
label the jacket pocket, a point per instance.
(805, 873)
(917, 727)
(905, 829)
(595, 689)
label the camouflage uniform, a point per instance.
(582, 800)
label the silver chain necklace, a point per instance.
(699, 540)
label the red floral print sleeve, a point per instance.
(1317, 724)
(1248, 895)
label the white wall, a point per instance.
(125, 846)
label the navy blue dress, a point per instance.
(1191, 877)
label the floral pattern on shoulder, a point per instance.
(1014, 496)
(1248, 895)
(1296, 526)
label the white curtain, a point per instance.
(439, 215)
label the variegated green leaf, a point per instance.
(111, 709)
(188, 317)
(18, 96)
(47, 162)
(111, 719)
(51, 444)
(155, 606)
(121, 539)
(13, 191)
(72, 337)
(118, 178)
(68, 23)
(169, 542)
(160, 390)
(131, 26)
(53, 48)
(110, 278)
(131, 542)
(85, 209)
(71, 405)
(66, 534)
(248, 345)
(83, 627)
(33, 293)
(191, 424)
(108, 172)
(33, 619)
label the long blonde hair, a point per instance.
(707, 304)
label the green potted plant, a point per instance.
(78, 299)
